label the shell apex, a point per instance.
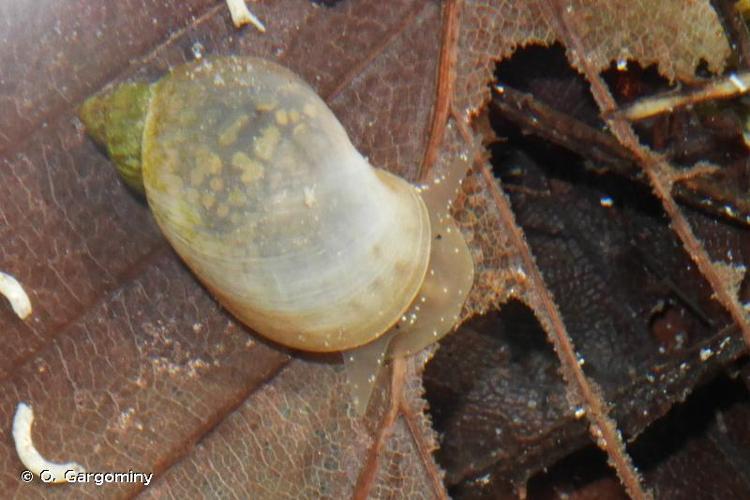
(115, 120)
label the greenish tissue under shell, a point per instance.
(115, 120)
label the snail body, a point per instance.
(256, 185)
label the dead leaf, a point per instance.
(589, 32)
(130, 364)
(127, 361)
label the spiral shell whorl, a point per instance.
(256, 185)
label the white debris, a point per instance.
(241, 15)
(738, 83)
(50, 472)
(14, 292)
(706, 353)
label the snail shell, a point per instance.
(256, 185)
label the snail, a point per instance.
(258, 188)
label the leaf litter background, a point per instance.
(129, 364)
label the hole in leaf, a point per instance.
(492, 387)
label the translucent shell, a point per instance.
(256, 185)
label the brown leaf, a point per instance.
(610, 29)
(130, 364)
(127, 361)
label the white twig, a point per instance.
(241, 15)
(52, 472)
(728, 87)
(12, 289)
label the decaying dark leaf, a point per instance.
(626, 209)
(698, 450)
(642, 318)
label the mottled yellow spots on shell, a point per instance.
(208, 200)
(250, 176)
(222, 210)
(265, 145)
(251, 170)
(281, 117)
(172, 183)
(299, 130)
(229, 135)
(237, 197)
(209, 161)
(216, 184)
(171, 161)
(266, 106)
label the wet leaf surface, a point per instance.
(130, 364)
(642, 318)
(644, 322)
(127, 361)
